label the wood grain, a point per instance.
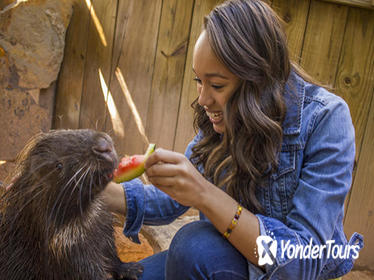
(294, 13)
(132, 76)
(98, 64)
(185, 132)
(70, 82)
(360, 214)
(368, 4)
(169, 70)
(323, 40)
(355, 82)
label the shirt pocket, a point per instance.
(283, 182)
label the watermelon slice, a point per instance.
(132, 167)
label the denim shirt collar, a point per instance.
(294, 97)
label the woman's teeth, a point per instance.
(215, 116)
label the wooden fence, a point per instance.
(127, 70)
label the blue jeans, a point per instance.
(197, 251)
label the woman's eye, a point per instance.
(217, 86)
(212, 85)
(197, 80)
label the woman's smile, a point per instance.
(215, 117)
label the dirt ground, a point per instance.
(129, 251)
(359, 275)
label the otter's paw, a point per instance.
(128, 271)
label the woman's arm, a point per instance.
(175, 175)
(220, 209)
(114, 196)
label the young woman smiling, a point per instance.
(273, 156)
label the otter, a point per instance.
(54, 223)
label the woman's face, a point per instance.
(215, 83)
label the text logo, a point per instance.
(267, 249)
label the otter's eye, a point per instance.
(59, 166)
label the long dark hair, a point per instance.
(247, 36)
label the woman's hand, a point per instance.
(175, 175)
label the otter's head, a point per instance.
(65, 170)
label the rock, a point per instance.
(7, 4)
(21, 118)
(32, 40)
(159, 237)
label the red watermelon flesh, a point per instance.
(131, 167)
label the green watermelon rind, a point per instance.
(138, 171)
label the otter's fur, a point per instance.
(53, 221)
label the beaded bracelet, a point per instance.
(234, 222)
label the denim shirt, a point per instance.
(303, 199)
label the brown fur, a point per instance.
(53, 222)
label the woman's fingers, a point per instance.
(163, 183)
(162, 170)
(161, 155)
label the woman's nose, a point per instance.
(205, 99)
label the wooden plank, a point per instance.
(354, 80)
(132, 76)
(98, 63)
(323, 40)
(295, 14)
(355, 83)
(123, 13)
(367, 4)
(70, 81)
(185, 132)
(360, 215)
(169, 70)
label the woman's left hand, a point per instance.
(175, 175)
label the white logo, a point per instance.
(267, 249)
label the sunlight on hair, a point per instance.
(131, 104)
(2, 162)
(97, 23)
(114, 115)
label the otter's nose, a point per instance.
(104, 149)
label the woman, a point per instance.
(273, 157)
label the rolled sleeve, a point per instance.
(135, 202)
(147, 205)
(324, 182)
